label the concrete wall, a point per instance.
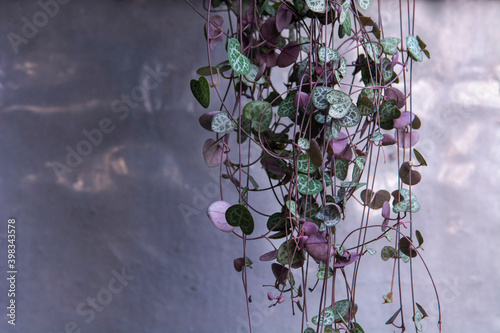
(109, 228)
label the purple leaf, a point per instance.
(289, 54)
(404, 120)
(283, 18)
(301, 100)
(281, 299)
(318, 248)
(270, 296)
(388, 140)
(217, 214)
(269, 32)
(215, 31)
(405, 138)
(396, 94)
(280, 273)
(315, 154)
(238, 264)
(206, 120)
(310, 228)
(346, 259)
(386, 213)
(270, 164)
(269, 256)
(338, 146)
(213, 153)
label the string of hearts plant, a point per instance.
(317, 142)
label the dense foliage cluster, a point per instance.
(319, 138)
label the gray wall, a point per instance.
(118, 210)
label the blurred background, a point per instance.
(102, 170)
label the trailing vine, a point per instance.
(317, 141)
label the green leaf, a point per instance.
(341, 309)
(388, 252)
(286, 108)
(370, 250)
(359, 165)
(352, 118)
(309, 330)
(201, 91)
(389, 111)
(329, 214)
(341, 168)
(414, 48)
(276, 222)
(387, 236)
(387, 74)
(342, 68)
(390, 45)
(254, 110)
(368, 93)
(421, 309)
(377, 136)
(404, 257)
(305, 44)
(239, 62)
(317, 6)
(249, 79)
(419, 157)
(421, 43)
(346, 26)
(321, 118)
(222, 123)
(427, 53)
(321, 273)
(292, 207)
(420, 239)
(374, 50)
(364, 4)
(319, 97)
(331, 55)
(240, 216)
(345, 11)
(310, 187)
(303, 143)
(340, 104)
(357, 329)
(405, 206)
(417, 318)
(288, 253)
(365, 105)
(304, 165)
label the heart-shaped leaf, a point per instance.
(222, 123)
(217, 214)
(213, 153)
(344, 11)
(388, 252)
(364, 4)
(326, 54)
(329, 214)
(260, 112)
(406, 139)
(390, 45)
(283, 18)
(288, 253)
(414, 48)
(365, 105)
(346, 26)
(304, 165)
(308, 186)
(341, 168)
(239, 216)
(380, 198)
(286, 108)
(317, 6)
(409, 176)
(406, 247)
(206, 120)
(340, 104)
(315, 154)
(352, 118)
(239, 62)
(319, 97)
(201, 91)
(288, 55)
(374, 50)
(249, 79)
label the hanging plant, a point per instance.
(320, 138)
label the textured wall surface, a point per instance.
(104, 241)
